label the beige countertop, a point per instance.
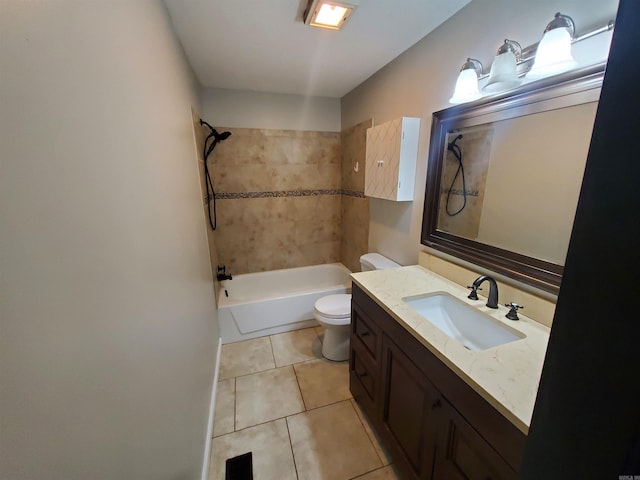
(506, 376)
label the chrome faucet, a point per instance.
(492, 300)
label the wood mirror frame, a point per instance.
(572, 88)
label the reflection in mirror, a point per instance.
(505, 173)
(514, 183)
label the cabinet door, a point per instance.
(461, 453)
(408, 412)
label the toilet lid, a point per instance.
(334, 306)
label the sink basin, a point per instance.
(474, 329)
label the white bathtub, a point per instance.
(259, 304)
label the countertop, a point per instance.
(506, 376)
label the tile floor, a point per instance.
(278, 398)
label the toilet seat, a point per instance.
(334, 309)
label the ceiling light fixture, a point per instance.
(328, 13)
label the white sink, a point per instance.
(474, 329)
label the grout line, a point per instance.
(273, 355)
(360, 416)
(304, 404)
(235, 402)
(293, 455)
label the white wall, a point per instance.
(246, 109)
(421, 80)
(108, 329)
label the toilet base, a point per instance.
(335, 345)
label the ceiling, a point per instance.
(263, 45)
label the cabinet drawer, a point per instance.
(366, 331)
(363, 372)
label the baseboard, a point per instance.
(212, 407)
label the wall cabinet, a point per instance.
(391, 154)
(434, 425)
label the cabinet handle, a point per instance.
(436, 404)
(364, 334)
(360, 375)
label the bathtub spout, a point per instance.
(222, 273)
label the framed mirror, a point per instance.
(504, 176)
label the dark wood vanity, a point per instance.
(433, 423)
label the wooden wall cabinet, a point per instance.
(391, 154)
(434, 425)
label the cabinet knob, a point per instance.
(436, 404)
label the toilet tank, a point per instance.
(375, 261)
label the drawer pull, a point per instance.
(361, 375)
(364, 334)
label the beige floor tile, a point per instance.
(331, 443)
(270, 447)
(385, 473)
(265, 396)
(375, 440)
(243, 358)
(323, 382)
(296, 346)
(225, 413)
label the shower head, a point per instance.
(222, 136)
(217, 137)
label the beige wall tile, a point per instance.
(355, 231)
(267, 210)
(258, 234)
(200, 133)
(319, 253)
(353, 149)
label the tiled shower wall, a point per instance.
(200, 135)
(278, 199)
(289, 198)
(355, 206)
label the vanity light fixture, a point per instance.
(503, 74)
(328, 13)
(554, 50)
(467, 83)
(552, 55)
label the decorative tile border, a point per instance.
(285, 193)
(353, 193)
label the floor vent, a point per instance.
(240, 467)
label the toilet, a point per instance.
(333, 312)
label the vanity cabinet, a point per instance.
(391, 155)
(434, 425)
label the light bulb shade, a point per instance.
(503, 74)
(553, 55)
(466, 87)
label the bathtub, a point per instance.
(258, 304)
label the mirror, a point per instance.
(504, 176)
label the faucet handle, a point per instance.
(513, 313)
(473, 295)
